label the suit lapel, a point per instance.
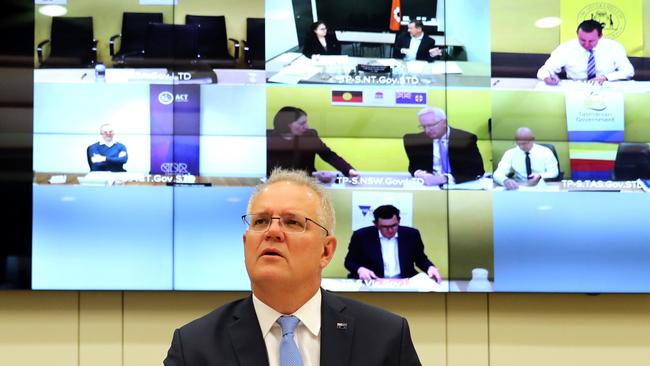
(377, 254)
(337, 330)
(246, 336)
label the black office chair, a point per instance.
(213, 41)
(133, 37)
(632, 161)
(71, 43)
(170, 45)
(372, 49)
(560, 173)
(254, 47)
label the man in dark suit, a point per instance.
(288, 319)
(415, 44)
(441, 154)
(387, 250)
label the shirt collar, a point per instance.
(102, 142)
(309, 314)
(381, 236)
(420, 37)
(445, 136)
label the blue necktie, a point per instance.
(591, 66)
(444, 159)
(289, 354)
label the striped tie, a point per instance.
(289, 354)
(591, 66)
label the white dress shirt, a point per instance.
(542, 162)
(306, 335)
(413, 48)
(390, 256)
(611, 61)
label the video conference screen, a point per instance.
(516, 162)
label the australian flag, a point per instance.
(410, 98)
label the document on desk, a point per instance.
(292, 74)
(330, 59)
(445, 67)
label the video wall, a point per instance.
(516, 176)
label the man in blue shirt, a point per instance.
(106, 154)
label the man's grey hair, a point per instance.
(437, 112)
(326, 216)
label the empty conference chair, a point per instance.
(632, 161)
(254, 43)
(560, 173)
(213, 41)
(71, 43)
(170, 45)
(133, 36)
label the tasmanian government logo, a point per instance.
(611, 17)
(166, 98)
(596, 102)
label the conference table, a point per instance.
(418, 283)
(151, 76)
(581, 186)
(295, 68)
(139, 179)
(529, 84)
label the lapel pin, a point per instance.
(342, 326)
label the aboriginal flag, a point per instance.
(345, 96)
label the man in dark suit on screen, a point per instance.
(288, 319)
(441, 154)
(415, 44)
(387, 249)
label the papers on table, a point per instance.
(448, 67)
(58, 179)
(418, 283)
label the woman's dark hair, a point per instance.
(315, 25)
(285, 116)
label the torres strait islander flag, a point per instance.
(395, 15)
(347, 96)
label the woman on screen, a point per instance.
(319, 41)
(292, 144)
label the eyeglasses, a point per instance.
(426, 127)
(389, 227)
(289, 223)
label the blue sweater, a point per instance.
(113, 163)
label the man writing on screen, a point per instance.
(107, 155)
(441, 154)
(415, 45)
(289, 319)
(589, 57)
(387, 249)
(528, 162)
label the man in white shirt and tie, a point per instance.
(528, 162)
(288, 320)
(589, 57)
(441, 154)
